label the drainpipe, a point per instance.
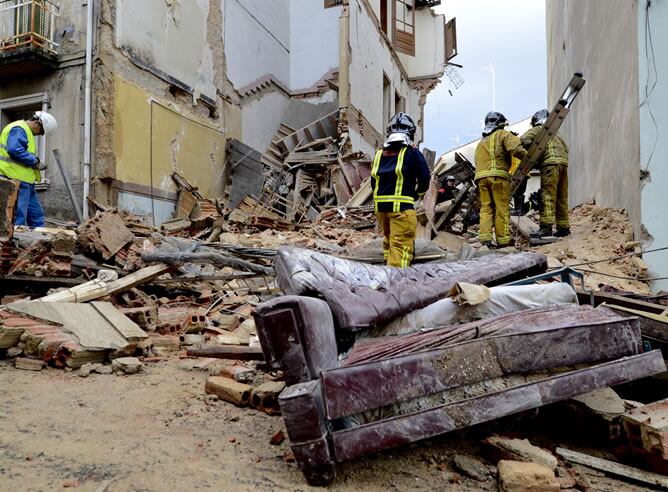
(87, 106)
(344, 58)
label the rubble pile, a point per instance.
(116, 295)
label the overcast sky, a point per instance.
(509, 34)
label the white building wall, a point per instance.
(257, 40)
(261, 118)
(314, 42)
(429, 56)
(370, 59)
(169, 37)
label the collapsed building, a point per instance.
(142, 90)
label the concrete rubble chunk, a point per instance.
(127, 365)
(505, 448)
(520, 476)
(29, 364)
(471, 467)
(265, 396)
(86, 369)
(228, 390)
(646, 429)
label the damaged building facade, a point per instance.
(617, 130)
(172, 82)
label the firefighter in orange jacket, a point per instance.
(399, 176)
(493, 159)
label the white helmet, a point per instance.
(47, 121)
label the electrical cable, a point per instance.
(615, 258)
(621, 277)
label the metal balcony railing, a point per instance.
(28, 23)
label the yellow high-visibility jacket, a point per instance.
(556, 152)
(14, 169)
(493, 156)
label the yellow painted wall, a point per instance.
(152, 140)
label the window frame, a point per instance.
(403, 41)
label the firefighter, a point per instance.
(399, 176)
(553, 179)
(447, 190)
(493, 159)
(19, 161)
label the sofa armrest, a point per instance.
(297, 336)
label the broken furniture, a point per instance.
(390, 391)
(418, 386)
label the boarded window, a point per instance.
(333, 3)
(403, 15)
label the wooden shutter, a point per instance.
(451, 39)
(403, 26)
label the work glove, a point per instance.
(41, 165)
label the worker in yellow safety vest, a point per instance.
(553, 166)
(19, 161)
(399, 176)
(493, 160)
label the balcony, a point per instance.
(27, 37)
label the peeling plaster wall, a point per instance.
(429, 59)
(152, 140)
(257, 41)
(170, 36)
(146, 124)
(314, 42)
(653, 137)
(599, 38)
(370, 59)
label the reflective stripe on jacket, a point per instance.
(397, 198)
(494, 153)
(14, 169)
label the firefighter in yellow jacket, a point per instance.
(399, 176)
(553, 179)
(493, 159)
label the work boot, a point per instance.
(544, 231)
(506, 245)
(563, 231)
(487, 243)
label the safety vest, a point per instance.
(491, 159)
(11, 168)
(397, 198)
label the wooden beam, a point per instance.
(613, 468)
(232, 352)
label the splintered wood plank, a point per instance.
(613, 468)
(9, 191)
(232, 352)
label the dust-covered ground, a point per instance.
(157, 431)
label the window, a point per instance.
(332, 3)
(404, 26)
(383, 15)
(387, 100)
(399, 103)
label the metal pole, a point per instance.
(87, 106)
(68, 184)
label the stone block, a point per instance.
(519, 476)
